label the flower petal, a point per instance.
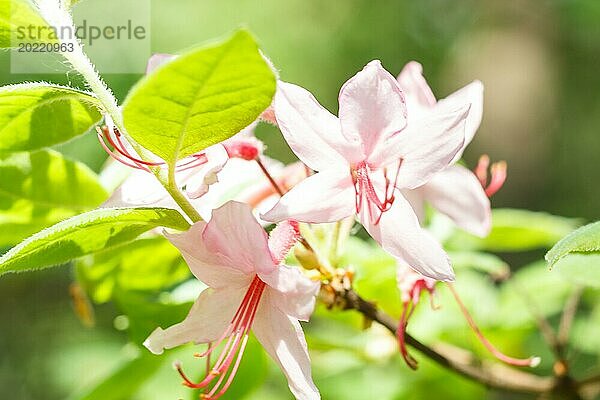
(419, 97)
(471, 94)
(140, 189)
(235, 235)
(199, 180)
(372, 107)
(312, 132)
(326, 196)
(207, 320)
(426, 146)
(400, 234)
(457, 193)
(283, 339)
(208, 265)
(293, 293)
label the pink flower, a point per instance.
(454, 191)
(365, 157)
(248, 289)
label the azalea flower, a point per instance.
(248, 289)
(365, 158)
(454, 191)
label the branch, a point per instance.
(491, 374)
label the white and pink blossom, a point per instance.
(249, 289)
(364, 159)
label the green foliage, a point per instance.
(145, 314)
(41, 188)
(201, 98)
(86, 234)
(484, 262)
(15, 14)
(582, 269)
(516, 230)
(584, 240)
(37, 115)
(148, 264)
(125, 380)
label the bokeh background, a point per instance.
(538, 59)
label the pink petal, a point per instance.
(312, 132)
(457, 193)
(282, 337)
(207, 320)
(156, 60)
(400, 234)
(209, 266)
(372, 107)
(199, 179)
(426, 146)
(140, 189)
(419, 96)
(293, 293)
(471, 94)
(326, 196)
(235, 235)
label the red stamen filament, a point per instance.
(237, 336)
(497, 172)
(122, 155)
(527, 362)
(364, 189)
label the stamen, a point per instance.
(230, 357)
(527, 362)
(121, 154)
(498, 175)
(265, 171)
(498, 171)
(364, 189)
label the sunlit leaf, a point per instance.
(148, 264)
(584, 240)
(201, 98)
(37, 115)
(86, 234)
(15, 18)
(41, 188)
(516, 230)
(582, 269)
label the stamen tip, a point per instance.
(177, 365)
(535, 361)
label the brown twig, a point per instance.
(493, 375)
(568, 315)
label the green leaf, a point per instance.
(125, 380)
(145, 314)
(128, 267)
(516, 230)
(584, 240)
(38, 115)
(581, 269)
(16, 16)
(86, 234)
(201, 98)
(41, 188)
(484, 262)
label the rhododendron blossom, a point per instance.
(455, 190)
(365, 157)
(248, 289)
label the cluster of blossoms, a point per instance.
(392, 149)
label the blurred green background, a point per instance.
(539, 62)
